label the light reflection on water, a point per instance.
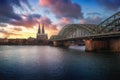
(52, 63)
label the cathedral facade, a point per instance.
(41, 35)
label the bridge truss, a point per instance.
(110, 25)
(74, 31)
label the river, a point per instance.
(54, 63)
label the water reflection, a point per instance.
(51, 63)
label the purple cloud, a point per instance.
(27, 20)
(91, 20)
(63, 8)
(7, 12)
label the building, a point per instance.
(41, 39)
(3, 41)
(41, 35)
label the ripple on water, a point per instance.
(52, 63)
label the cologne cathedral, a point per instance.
(41, 35)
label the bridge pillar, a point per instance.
(57, 43)
(96, 45)
(66, 44)
(114, 45)
(61, 43)
(88, 45)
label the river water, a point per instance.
(53, 63)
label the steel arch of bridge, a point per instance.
(111, 24)
(74, 31)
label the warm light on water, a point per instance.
(53, 63)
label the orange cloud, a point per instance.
(45, 21)
(91, 20)
(28, 20)
(7, 34)
(17, 29)
(46, 2)
(51, 30)
(82, 21)
(65, 20)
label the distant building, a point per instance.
(31, 39)
(3, 41)
(41, 39)
(41, 35)
(16, 41)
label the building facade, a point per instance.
(41, 35)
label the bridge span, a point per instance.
(104, 36)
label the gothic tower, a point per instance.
(41, 33)
(39, 30)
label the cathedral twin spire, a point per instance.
(41, 33)
(39, 30)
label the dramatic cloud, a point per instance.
(7, 34)
(53, 27)
(2, 25)
(45, 21)
(91, 20)
(63, 8)
(48, 23)
(27, 20)
(7, 11)
(8, 15)
(110, 4)
(17, 29)
(64, 21)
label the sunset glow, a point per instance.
(20, 18)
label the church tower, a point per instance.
(39, 29)
(43, 31)
(41, 34)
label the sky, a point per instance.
(20, 18)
